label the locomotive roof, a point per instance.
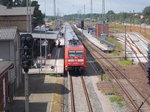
(71, 38)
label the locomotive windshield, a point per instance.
(71, 53)
(75, 53)
(79, 53)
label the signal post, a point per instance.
(26, 58)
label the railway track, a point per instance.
(131, 44)
(142, 65)
(142, 39)
(71, 94)
(138, 49)
(74, 103)
(118, 75)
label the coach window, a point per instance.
(79, 53)
(71, 53)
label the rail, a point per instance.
(92, 49)
(73, 108)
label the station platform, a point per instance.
(104, 47)
(54, 65)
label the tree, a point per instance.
(38, 16)
(110, 12)
(146, 13)
(6, 2)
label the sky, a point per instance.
(64, 7)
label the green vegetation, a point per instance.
(52, 75)
(118, 48)
(105, 77)
(124, 62)
(118, 100)
(39, 17)
(146, 13)
(111, 16)
(6, 2)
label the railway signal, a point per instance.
(26, 51)
(82, 24)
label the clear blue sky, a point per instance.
(74, 6)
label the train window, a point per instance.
(79, 53)
(75, 53)
(71, 53)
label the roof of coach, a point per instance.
(71, 38)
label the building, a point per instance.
(50, 40)
(15, 16)
(10, 51)
(100, 31)
(5, 67)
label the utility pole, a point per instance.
(133, 18)
(130, 20)
(125, 43)
(84, 12)
(54, 9)
(91, 6)
(40, 51)
(103, 19)
(27, 16)
(45, 35)
(30, 17)
(84, 8)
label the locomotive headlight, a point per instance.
(70, 60)
(80, 60)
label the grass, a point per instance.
(118, 48)
(52, 75)
(117, 52)
(124, 62)
(105, 77)
(118, 100)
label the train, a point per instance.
(74, 53)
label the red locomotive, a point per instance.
(75, 53)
